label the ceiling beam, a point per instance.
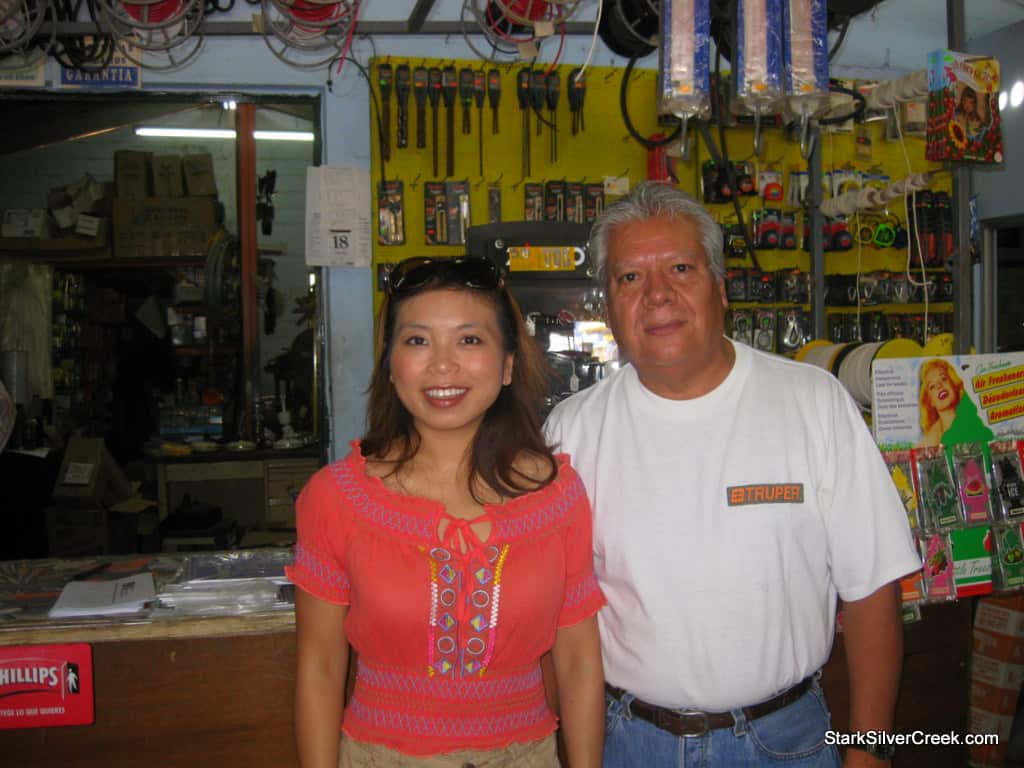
(398, 28)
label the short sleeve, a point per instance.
(583, 597)
(322, 532)
(870, 541)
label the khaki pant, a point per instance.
(535, 754)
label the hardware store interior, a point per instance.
(187, 335)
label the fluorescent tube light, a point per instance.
(283, 135)
(221, 133)
(186, 133)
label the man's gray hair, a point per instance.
(648, 200)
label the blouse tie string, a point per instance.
(461, 540)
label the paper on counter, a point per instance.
(105, 598)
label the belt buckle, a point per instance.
(686, 716)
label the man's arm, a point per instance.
(577, 657)
(320, 679)
(873, 637)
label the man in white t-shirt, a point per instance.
(737, 496)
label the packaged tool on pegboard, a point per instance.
(746, 181)
(574, 202)
(836, 328)
(944, 286)
(767, 228)
(435, 213)
(741, 326)
(533, 201)
(715, 184)
(554, 201)
(943, 227)
(764, 329)
(793, 286)
(736, 284)
(390, 213)
(769, 186)
(493, 203)
(924, 239)
(760, 286)
(735, 241)
(594, 201)
(793, 330)
(459, 215)
(787, 233)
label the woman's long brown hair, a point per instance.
(510, 427)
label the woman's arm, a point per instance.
(322, 651)
(577, 657)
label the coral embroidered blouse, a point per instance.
(449, 631)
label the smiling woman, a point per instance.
(450, 549)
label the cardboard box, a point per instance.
(26, 222)
(167, 180)
(1000, 674)
(999, 647)
(1002, 615)
(200, 180)
(131, 174)
(89, 476)
(998, 701)
(90, 226)
(963, 108)
(167, 227)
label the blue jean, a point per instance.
(793, 737)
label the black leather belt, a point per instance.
(691, 723)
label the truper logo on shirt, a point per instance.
(766, 493)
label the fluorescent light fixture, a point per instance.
(186, 133)
(283, 135)
(221, 133)
(1003, 98)
(1017, 94)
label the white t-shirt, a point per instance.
(725, 526)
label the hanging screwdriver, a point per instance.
(552, 87)
(466, 98)
(434, 94)
(577, 92)
(402, 78)
(538, 92)
(523, 93)
(479, 91)
(384, 79)
(449, 89)
(494, 96)
(419, 90)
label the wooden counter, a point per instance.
(170, 693)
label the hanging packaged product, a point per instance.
(940, 506)
(972, 560)
(435, 213)
(1008, 559)
(533, 202)
(594, 201)
(764, 329)
(963, 108)
(973, 470)
(554, 201)
(575, 210)
(390, 213)
(912, 586)
(938, 568)
(736, 284)
(684, 71)
(1006, 464)
(901, 472)
(793, 330)
(742, 326)
(758, 57)
(459, 218)
(805, 57)
(493, 203)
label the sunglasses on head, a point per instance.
(470, 271)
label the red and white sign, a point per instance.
(46, 685)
